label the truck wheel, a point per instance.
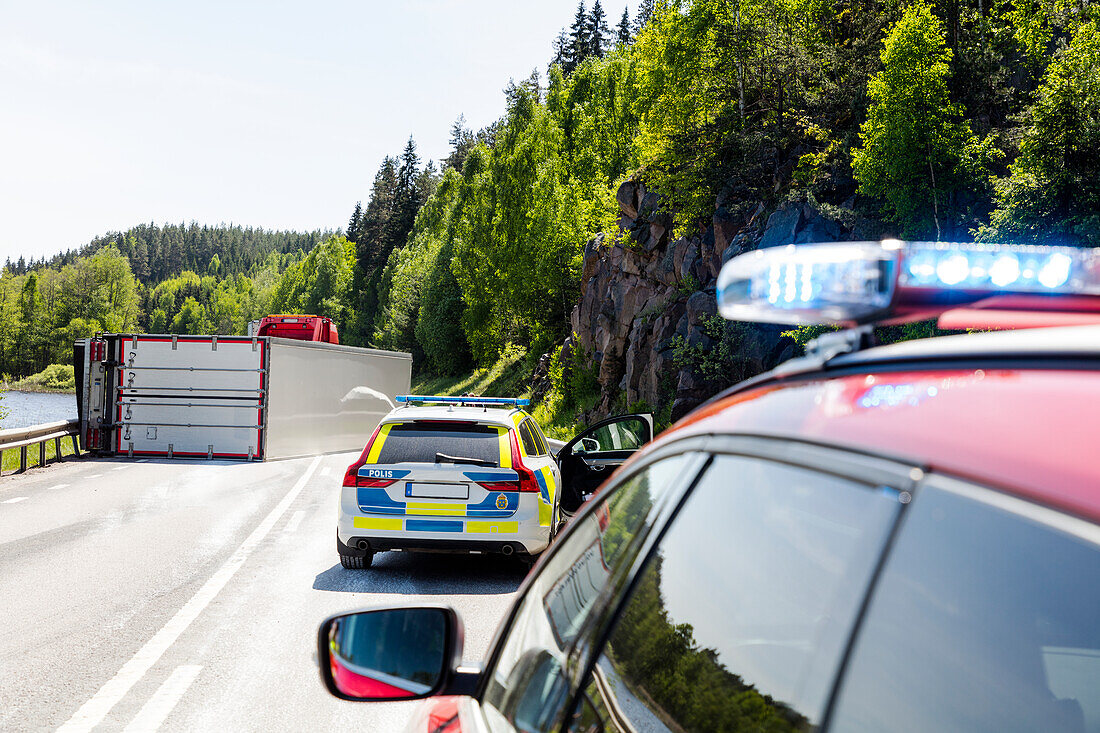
(357, 562)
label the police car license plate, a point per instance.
(437, 491)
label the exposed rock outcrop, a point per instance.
(647, 311)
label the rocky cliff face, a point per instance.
(647, 316)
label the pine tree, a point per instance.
(462, 142)
(561, 50)
(645, 12)
(579, 44)
(623, 29)
(406, 200)
(598, 32)
(355, 222)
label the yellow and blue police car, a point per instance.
(472, 474)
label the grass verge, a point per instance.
(11, 456)
(510, 376)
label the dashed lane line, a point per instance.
(16, 500)
(92, 712)
(164, 700)
(55, 487)
(295, 519)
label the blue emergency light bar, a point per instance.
(861, 282)
(441, 400)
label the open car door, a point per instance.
(593, 455)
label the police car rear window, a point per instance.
(419, 442)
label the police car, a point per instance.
(472, 474)
(895, 538)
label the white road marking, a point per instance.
(160, 705)
(119, 468)
(16, 500)
(295, 520)
(326, 471)
(92, 712)
(55, 487)
(95, 475)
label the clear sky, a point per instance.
(267, 114)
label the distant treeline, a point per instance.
(47, 306)
(159, 252)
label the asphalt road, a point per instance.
(185, 595)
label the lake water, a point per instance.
(34, 408)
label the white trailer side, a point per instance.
(327, 398)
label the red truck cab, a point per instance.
(300, 327)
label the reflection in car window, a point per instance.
(406, 646)
(628, 434)
(984, 620)
(739, 620)
(527, 689)
(530, 447)
(536, 434)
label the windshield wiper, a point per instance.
(444, 458)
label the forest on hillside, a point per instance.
(951, 120)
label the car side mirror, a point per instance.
(586, 445)
(384, 654)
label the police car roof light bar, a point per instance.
(851, 283)
(472, 401)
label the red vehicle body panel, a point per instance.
(1032, 433)
(357, 685)
(299, 327)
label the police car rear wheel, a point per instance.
(357, 562)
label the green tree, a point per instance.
(622, 31)
(1053, 191)
(191, 318)
(598, 33)
(580, 44)
(918, 153)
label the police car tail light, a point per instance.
(374, 483)
(351, 476)
(527, 481)
(499, 485)
(861, 282)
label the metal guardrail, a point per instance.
(23, 438)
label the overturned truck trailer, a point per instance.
(240, 397)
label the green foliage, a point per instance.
(506, 377)
(319, 284)
(715, 355)
(494, 255)
(724, 89)
(805, 334)
(54, 378)
(661, 661)
(1052, 193)
(918, 153)
(158, 253)
(574, 390)
(400, 188)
